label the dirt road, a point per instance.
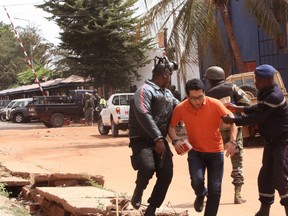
(81, 149)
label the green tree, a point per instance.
(40, 53)
(99, 39)
(38, 49)
(10, 60)
(13, 64)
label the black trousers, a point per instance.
(274, 173)
(147, 162)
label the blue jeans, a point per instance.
(198, 163)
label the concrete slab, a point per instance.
(23, 169)
(78, 200)
(14, 181)
(37, 175)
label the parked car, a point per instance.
(116, 114)
(4, 110)
(4, 103)
(18, 112)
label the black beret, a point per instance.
(265, 71)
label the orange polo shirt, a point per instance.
(203, 125)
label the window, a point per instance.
(115, 100)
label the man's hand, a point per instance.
(227, 119)
(178, 147)
(230, 149)
(160, 146)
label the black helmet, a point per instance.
(171, 65)
(214, 73)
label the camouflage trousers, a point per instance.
(89, 115)
(237, 159)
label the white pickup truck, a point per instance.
(115, 115)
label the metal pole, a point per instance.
(30, 44)
(24, 51)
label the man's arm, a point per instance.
(235, 109)
(256, 114)
(143, 112)
(176, 142)
(172, 133)
(230, 146)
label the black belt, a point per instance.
(142, 139)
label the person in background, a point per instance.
(175, 93)
(88, 108)
(96, 98)
(271, 115)
(133, 88)
(202, 116)
(220, 89)
(102, 102)
(149, 116)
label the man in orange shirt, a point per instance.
(202, 117)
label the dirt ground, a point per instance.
(81, 149)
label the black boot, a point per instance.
(199, 203)
(137, 198)
(150, 211)
(264, 210)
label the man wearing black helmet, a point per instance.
(271, 115)
(220, 89)
(150, 112)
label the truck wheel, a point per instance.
(48, 124)
(18, 118)
(103, 130)
(57, 120)
(114, 129)
(3, 117)
(251, 91)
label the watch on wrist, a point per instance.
(233, 142)
(174, 141)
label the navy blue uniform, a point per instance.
(271, 115)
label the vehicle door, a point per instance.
(106, 112)
(9, 107)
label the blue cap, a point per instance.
(265, 71)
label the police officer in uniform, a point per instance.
(149, 116)
(219, 88)
(271, 114)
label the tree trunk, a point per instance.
(232, 40)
